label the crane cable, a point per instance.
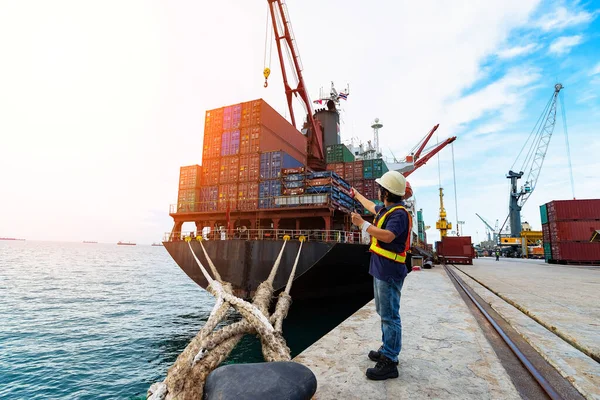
(564, 118)
(267, 69)
(538, 127)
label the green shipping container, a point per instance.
(544, 214)
(336, 153)
(547, 251)
(368, 169)
(379, 168)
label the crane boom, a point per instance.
(284, 33)
(423, 160)
(485, 222)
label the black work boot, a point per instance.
(376, 355)
(384, 369)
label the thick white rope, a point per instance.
(271, 277)
(210, 263)
(288, 287)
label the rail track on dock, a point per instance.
(531, 374)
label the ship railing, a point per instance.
(313, 235)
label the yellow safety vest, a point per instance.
(377, 249)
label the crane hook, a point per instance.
(266, 73)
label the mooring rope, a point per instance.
(185, 379)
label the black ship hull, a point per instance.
(325, 270)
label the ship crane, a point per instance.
(419, 155)
(489, 229)
(534, 159)
(284, 38)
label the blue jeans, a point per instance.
(387, 304)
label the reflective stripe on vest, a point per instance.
(377, 249)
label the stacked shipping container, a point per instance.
(567, 226)
(255, 159)
(190, 182)
(244, 145)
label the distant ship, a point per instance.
(125, 243)
(157, 244)
(6, 238)
(88, 241)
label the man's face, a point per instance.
(381, 193)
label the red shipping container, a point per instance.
(249, 170)
(457, 246)
(293, 192)
(358, 185)
(229, 169)
(247, 196)
(228, 195)
(210, 172)
(348, 171)
(369, 189)
(546, 233)
(572, 231)
(576, 251)
(565, 210)
(338, 168)
(319, 182)
(358, 170)
(292, 171)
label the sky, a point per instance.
(102, 102)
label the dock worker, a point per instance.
(390, 241)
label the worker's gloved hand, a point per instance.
(352, 192)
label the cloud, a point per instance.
(505, 96)
(562, 18)
(595, 70)
(563, 44)
(517, 51)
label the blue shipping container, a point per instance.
(230, 143)
(269, 188)
(271, 164)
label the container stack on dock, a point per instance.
(567, 227)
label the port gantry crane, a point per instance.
(540, 139)
(284, 38)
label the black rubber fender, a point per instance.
(282, 380)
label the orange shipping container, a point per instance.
(228, 195)
(190, 177)
(247, 196)
(228, 171)
(249, 170)
(211, 147)
(210, 172)
(263, 129)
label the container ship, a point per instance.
(254, 187)
(261, 179)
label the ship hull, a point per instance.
(325, 270)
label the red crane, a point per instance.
(284, 37)
(416, 160)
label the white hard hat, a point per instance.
(394, 182)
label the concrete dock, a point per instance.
(445, 353)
